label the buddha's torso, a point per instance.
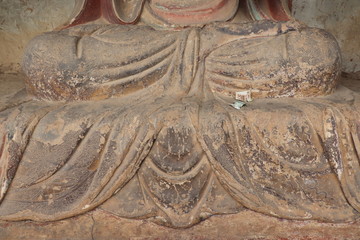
(188, 12)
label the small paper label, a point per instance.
(244, 96)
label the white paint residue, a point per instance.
(86, 207)
(3, 189)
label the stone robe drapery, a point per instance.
(186, 160)
(94, 62)
(167, 145)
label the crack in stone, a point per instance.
(92, 227)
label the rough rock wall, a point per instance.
(341, 18)
(20, 20)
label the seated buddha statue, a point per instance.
(163, 43)
(128, 111)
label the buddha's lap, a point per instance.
(300, 63)
(92, 62)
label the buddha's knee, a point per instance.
(93, 62)
(299, 63)
(314, 62)
(57, 64)
(49, 60)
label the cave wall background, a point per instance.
(20, 20)
(339, 17)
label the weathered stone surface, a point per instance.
(22, 20)
(145, 128)
(67, 65)
(341, 18)
(63, 159)
(11, 83)
(244, 225)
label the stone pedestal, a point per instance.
(245, 225)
